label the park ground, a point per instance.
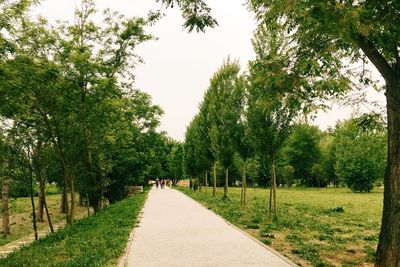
(314, 227)
(21, 216)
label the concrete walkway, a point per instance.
(177, 231)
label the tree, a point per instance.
(359, 154)
(244, 146)
(302, 152)
(175, 162)
(328, 159)
(270, 109)
(71, 87)
(226, 96)
(360, 29)
(192, 167)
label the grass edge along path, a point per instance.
(315, 228)
(97, 240)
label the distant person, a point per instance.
(157, 182)
(170, 184)
(162, 183)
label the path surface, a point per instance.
(177, 231)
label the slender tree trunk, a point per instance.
(272, 192)
(199, 182)
(72, 193)
(87, 203)
(40, 207)
(206, 183)
(270, 199)
(48, 214)
(4, 204)
(33, 204)
(274, 185)
(215, 179)
(63, 204)
(243, 193)
(226, 183)
(388, 252)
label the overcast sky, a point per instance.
(179, 65)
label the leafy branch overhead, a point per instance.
(196, 13)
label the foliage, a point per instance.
(302, 152)
(68, 91)
(360, 154)
(195, 13)
(326, 35)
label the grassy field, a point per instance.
(315, 227)
(21, 216)
(97, 240)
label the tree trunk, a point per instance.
(270, 199)
(272, 192)
(72, 193)
(388, 252)
(206, 183)
(63, 205)
(40, 217)
(87, 203)
(274, 185)
(243, 193)
(33, 204)
(48, 214)
(215, 180)
(4, 204)
(226, 183)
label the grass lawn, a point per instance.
(21, 216)
(97, 240)
(315, 227)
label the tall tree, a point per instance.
(226, 96)
(271, 110)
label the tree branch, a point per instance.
(376, 58)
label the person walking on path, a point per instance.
(157, 182)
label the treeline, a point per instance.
(253, 125)
(351, 154)
(69, 111)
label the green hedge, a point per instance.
(97, 240)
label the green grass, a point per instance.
(21, 216)
(314, 227)
(97, 240)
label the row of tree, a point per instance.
(352, 154)
(322, 38)
(69, 111)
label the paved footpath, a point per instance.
(177, 231)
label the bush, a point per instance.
(19, 188)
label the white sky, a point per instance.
(179, 65)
